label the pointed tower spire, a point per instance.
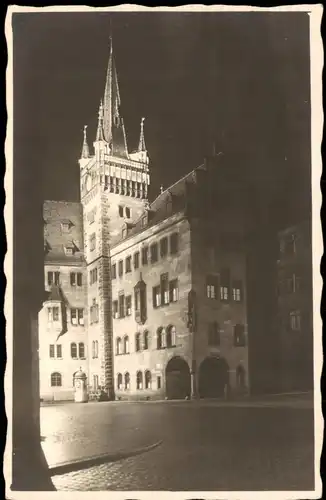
(142, 145)
(85, 150)
(99, 133)
(113, 127)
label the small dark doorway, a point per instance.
(213, 377)
(177, 376)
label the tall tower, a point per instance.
(114, 188)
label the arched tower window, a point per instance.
(137, 342)
(139, 380)
(118, 346)
(127, 381)
(119, 381)
(126, 345)
(146, 340)
(148, 379)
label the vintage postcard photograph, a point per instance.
(163, 169)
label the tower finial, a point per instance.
(142, 145)
(85, 150)
(99, 133)
(113, 127)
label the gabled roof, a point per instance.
(57, 213)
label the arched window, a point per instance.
(73, 350)
(170, 336)
(93, 349)
(119, 345)
(56, 379)
(160, 343)
(146, 339)
(139, 380)
(119, 381)
(81, 349)
(127, 381)
(137, 342)
(148, 379)
(126, 344)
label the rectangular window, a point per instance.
(159, 382)
(92, 242)
(55, 313)
(164, 247)
(77, 316)
(237, 291)
(140, 302)
(164, 289)
(120, 211)
(55, 351)
(95, 382)
(295, 320)
(144, 256)
(173, 291)
(174, 243)
(115, 309)
(80, 314)
(154, 253)
(121, 306)
(156, 296)
(128, 213)
(128, 264)
(120, 267)
(239, 336)
(114, 271)
(225, 285)
(94, 316)
(211, 287)
(136, 260)
(76, 279)
(53, 278)
(73, 316)
(93, 276)
(128, 305)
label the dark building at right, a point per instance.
(295, 308)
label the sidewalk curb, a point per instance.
(85, 463)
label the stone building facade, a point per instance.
(295, 308)
(154, 292)
(179, 299)
(63, 337)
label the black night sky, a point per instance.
(240, 80)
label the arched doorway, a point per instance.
(177, 377)
(213, 377)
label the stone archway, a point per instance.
(177, 379)
(213, 377)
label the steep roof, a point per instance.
(171, 201)
(63, 228)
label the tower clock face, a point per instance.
(88, 183)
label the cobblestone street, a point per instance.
(205, 445)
